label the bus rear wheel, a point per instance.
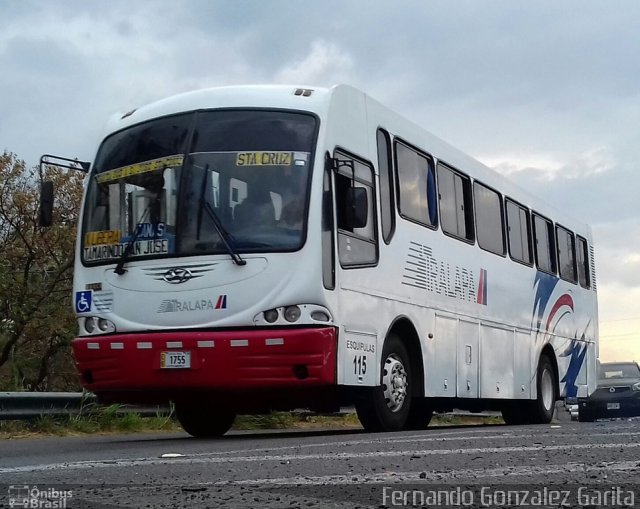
(387, 406)
(203, 422)
(516, 413)
(541, 409)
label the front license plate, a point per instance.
(175, 360)
(613, 406)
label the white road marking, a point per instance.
(79, 465)
(392, 441)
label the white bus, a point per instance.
(246, 249)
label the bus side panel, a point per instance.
(441, 364)
(522, 368)
(468, 359)
(496, 362)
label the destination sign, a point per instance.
(264, 159)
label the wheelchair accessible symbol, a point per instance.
(83, 301)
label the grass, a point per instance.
(464, 420)
(295, 420)
(91, 420)
(95, 419)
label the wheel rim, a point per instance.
(546, 389)
(394, 382)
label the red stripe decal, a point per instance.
(565, 300)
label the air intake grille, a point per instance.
(592, 258)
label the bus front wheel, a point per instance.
(202, 422)
(386, 407)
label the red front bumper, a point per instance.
(230, 361)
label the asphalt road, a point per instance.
(566, 464)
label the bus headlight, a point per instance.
(292, 313)
(90, 324)
(320, 316)
(271, 315)
(93, 325)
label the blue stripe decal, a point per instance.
(545, 285)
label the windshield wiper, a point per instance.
(225, 236)
(119, 269)
(124, 258)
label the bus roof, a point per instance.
(241, 96)
(322, 101)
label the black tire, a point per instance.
(541, 410)
(516, 413)
(420, 414)
(584, 416)
(202, 422)
(377, 411)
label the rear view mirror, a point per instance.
(46, 188)
(46, 204)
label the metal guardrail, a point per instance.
(31, 405)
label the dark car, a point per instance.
(617, 395)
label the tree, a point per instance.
(36, 268)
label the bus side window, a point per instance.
(416, 186)
(545, 249)
(489, 219)
(328, 244)
(519, 232)
(387, 201)
(357, 240)
(566, 254)
(582, 257)
(456, 210)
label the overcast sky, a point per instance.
(548, 93)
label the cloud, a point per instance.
(618, 253)
(549, 167)
(325, 64)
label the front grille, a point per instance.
(196, 270)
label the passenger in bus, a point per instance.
(255, 211)
(292, 213)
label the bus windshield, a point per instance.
(175, 186)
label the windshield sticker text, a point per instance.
(102, 238)
(150, 230)
(108, 244)
(138, 168)
(263, 159)
(140, 248)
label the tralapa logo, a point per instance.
(181, 306)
